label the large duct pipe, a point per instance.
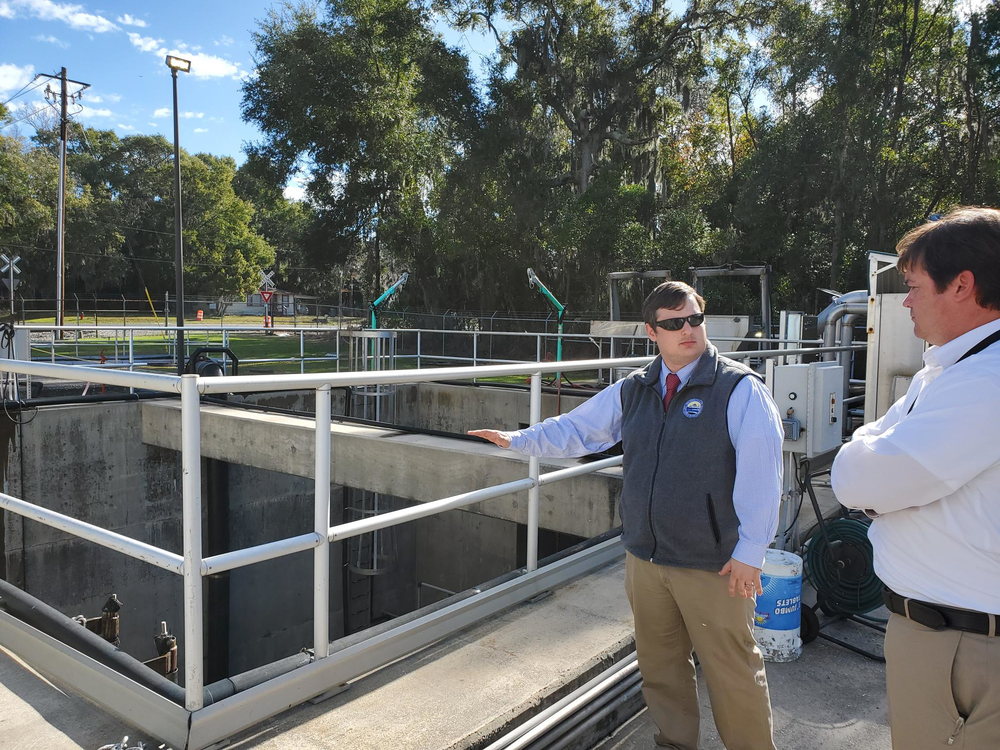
(846, 339)
(852, 303)
(54, 623)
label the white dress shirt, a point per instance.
(933, 477)
(754, 430)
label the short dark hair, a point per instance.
(670, 295)
(967, 239)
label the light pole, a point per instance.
(175, 64)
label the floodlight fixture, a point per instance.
(178, 63)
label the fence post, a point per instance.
(191, 521)
(302, 352)
(124, 322)
(474, 351)
(534, 417)
(76, 331)
(321, 515)
(418, 349)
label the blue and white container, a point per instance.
(777, 615)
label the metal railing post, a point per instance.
(538, 347)
(534, 417)
(194, 646)
(321, 555)
(474, 351)
(418, 350)
(302, 352)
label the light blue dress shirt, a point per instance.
(754, 429)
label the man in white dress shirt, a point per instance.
(929, 474)
(701, 487)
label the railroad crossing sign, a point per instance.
(10, 268)
(265, 294)
(266, 280)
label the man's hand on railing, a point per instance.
(494, 436)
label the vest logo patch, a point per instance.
(693, 408)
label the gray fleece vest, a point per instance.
(679, 466)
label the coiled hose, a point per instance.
(839, 563)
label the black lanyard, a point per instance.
(988, 341)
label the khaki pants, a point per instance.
(944, 687)
(677, 610)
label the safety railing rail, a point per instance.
(193, 566)
(121, 343)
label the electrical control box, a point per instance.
(809, 401)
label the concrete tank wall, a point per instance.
(90, 462)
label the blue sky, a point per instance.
(119, 48)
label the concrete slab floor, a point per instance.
(37, 713)
(829, 699)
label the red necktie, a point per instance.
(673, 383)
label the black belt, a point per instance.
(939, 617)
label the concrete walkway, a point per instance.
(829, 699)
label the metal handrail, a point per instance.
(193, 566)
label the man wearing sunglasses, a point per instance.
(702, 484)
(928, 472)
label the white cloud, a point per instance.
(167, 112)
(113, 97)
(74, 15)
(145, 43)
(152, 124)
(128, 20)
(50, 39)
(88, 112)
(225, 41)
(13, 77)
(95, 99)
(211, 66)
(126, 127)
(6, 11)
(201, 130)
(202, 65)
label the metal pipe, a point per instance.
(124, 378)
(178, 235)
(534, 417)
(54, 623)
(384, 520)
(194, 604)
(595, 714)
(321, 526)
(245, 383)
(546, 720)
(852, 302)
(127, 546)
(846, 339)
(259, 553)
(575, 471)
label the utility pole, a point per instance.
(64, 99)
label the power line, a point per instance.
(25, 86)
(32, 113)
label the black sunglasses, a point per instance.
(676, 324)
